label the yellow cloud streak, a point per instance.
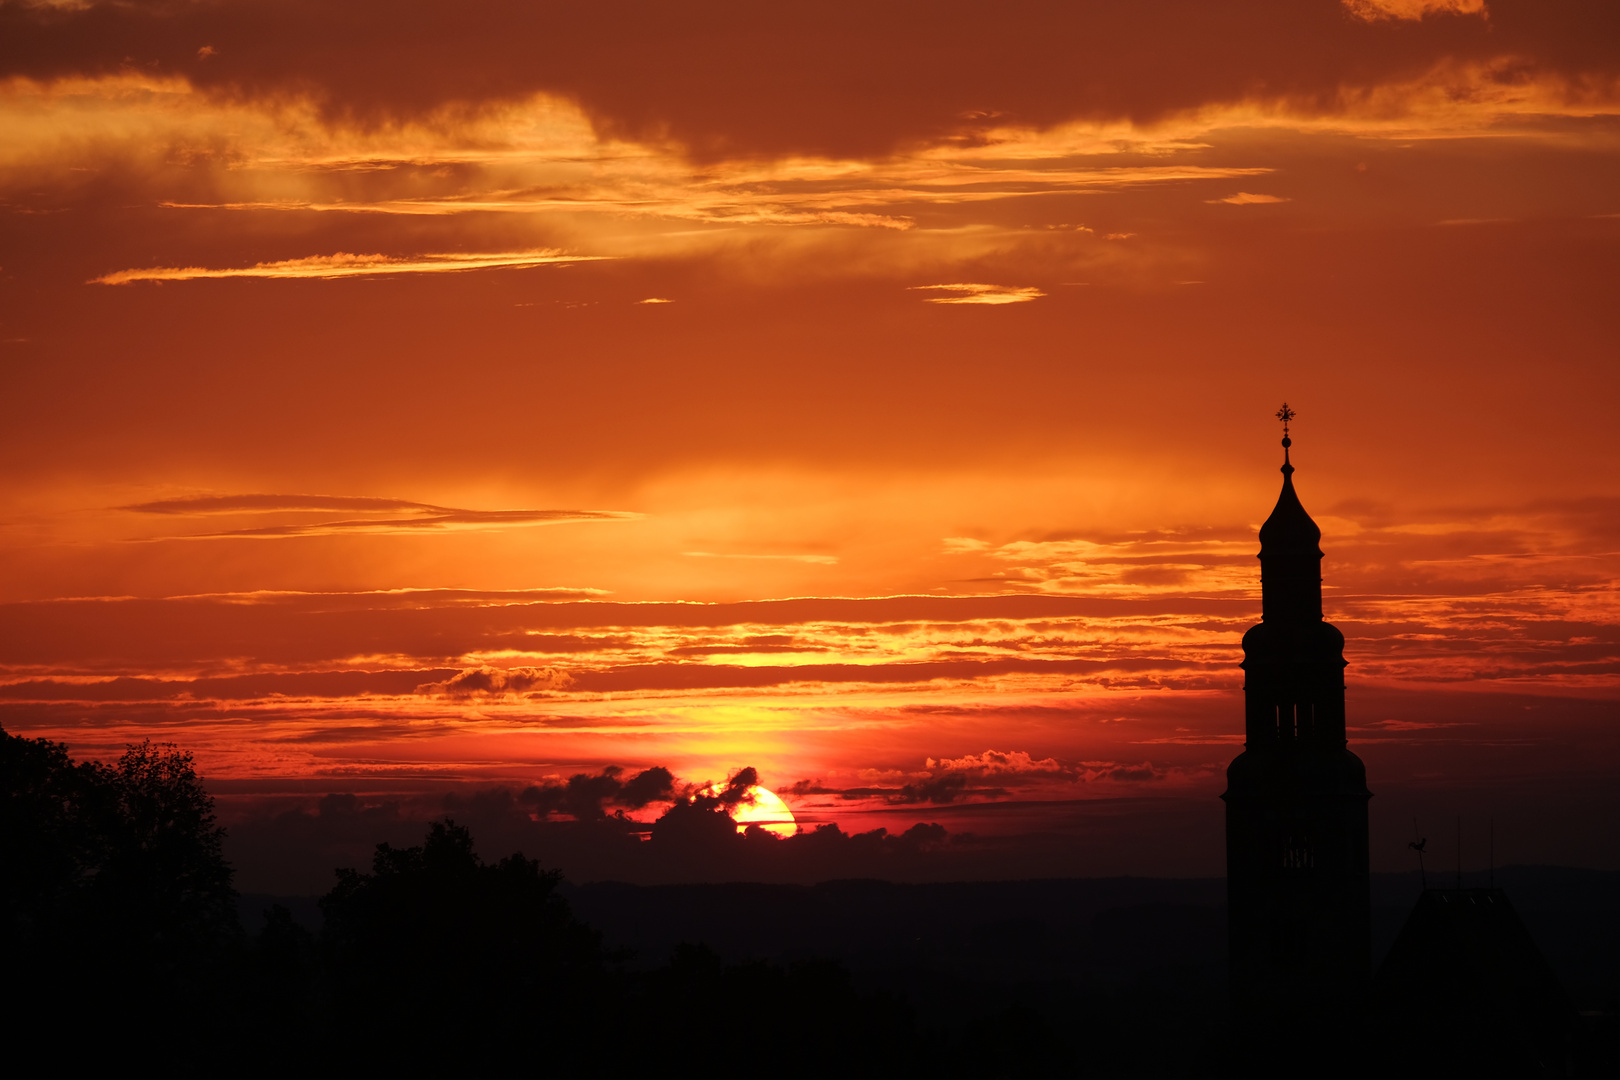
(820, 560)
(1412, 10)
(343, 264)
(47, 121)
(731, 201)
(543, 157)
(1247, 198)
(969, 293)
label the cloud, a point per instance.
(236, 504)
(680, 198)
(651, 785)
(954, 779)
(323, 630)
(1205, 563)
(728, 77)
(738, 790)
(1245, 198)
(1413, 10)
(942, 788)
(798, 191)
(343, 264)
(983, 294)
(422, 517)
(700, 840)
(583, 796)
(655, 300)
(822, 560)
(488, 681)
(1119, 773)
(1407, 725)
(1006, 763)
(290, 845)
(964, 779)
(938, 789)
(753, 643)
(1454, 597)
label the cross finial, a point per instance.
(1286, 414)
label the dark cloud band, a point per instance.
(731, 75)
(421, 517)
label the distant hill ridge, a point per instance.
(1084, 930)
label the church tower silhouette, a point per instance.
(1296, 800)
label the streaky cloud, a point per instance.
(799, 192)
(423, 517)
(725, 77)
(1249, 198)
(343, 264)
(1413, 10)
(822, 560)
(237, 504)
(972, 293)
(492, 682)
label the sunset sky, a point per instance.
(420, 398)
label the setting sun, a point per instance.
(759, 807)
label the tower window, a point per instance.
(1298, 852)
(1296, 721)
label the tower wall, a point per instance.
(1296, 803)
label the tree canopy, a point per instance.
(110, 868)
(434, 932)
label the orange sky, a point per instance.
(420, 397)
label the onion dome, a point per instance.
(1290, 560)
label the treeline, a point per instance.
(434, 952)
(112, 872)
(123, 940)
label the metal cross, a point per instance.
(1285, 414)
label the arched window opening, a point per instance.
(1285, 722)
(1298, 852)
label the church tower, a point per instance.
(1296, 800)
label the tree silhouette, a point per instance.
(435, 941)
(127, 855)
(49, 842)
(162, 887)
(119, 906)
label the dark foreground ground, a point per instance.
(1124, 976)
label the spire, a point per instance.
(1285, 414)
(1296, 811)
(1290, 561)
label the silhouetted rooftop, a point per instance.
(1464, 983)
(1289, 526)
